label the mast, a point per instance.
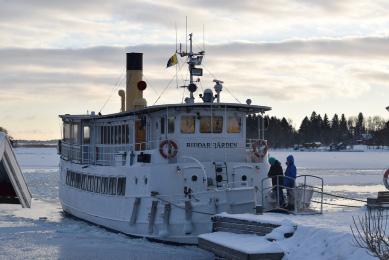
(193, 60)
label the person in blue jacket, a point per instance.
(289, 181)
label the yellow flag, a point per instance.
(172, 61)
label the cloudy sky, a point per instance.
(61, 57)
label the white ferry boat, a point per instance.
(162, 171)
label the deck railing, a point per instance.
(115, 154)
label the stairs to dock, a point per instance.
(239, 238)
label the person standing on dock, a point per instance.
(277, 178)
(290, 180)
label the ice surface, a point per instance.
(43, 232)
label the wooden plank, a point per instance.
(229, 253)
(242, 228)
(241, 221)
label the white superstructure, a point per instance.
(162, 171)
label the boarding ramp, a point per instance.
(307, 189)
(13, 188)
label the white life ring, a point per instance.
(386, 175)
(168, 149)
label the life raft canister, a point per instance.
(168, 149)
(260, 148)
(386, 175)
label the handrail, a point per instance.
(201, 166)
(320, 188)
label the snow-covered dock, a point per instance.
(247, 236)
(13, 188)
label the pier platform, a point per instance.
(246, 236)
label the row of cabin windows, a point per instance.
(208, 124)
(71, 133)
(114, 134)
(97, 184)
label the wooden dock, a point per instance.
(240, 239)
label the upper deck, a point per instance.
(204, 131)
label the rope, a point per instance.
(117, 84)
(339, 196)
(224, 87)
(332, 204)
(180, 207)
(163, 91)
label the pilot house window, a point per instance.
(188, 124)
(234, 124)
(212, 124)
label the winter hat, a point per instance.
(272, 160)
(290, 159)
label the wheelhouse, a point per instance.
(195, 129)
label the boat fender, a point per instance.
(260, 148)
(168, 149)
(386, 174)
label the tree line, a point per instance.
(317, 128)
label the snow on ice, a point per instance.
(43, 231)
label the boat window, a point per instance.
(75, 134)
(188, 124)
(121, 186)
(162, 125)
(86, 135)
(98, 184)
(112, 186)
(234, 124)
(66, 132)
(170, 124)
(210, 124)
(83, 182)
(105, 185)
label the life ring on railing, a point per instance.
(168, 149)
(386, 175)
(260, 148)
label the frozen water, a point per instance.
(43, 232)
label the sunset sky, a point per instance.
(60, 57)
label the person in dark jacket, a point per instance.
(290, 180)
(276, 174)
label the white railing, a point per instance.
(222, 149)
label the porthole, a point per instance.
(194, 177)
(244, 178)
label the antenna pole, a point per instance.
(186, 34)
(203, 39)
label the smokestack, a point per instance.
(135, 85)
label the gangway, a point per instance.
(13, 188)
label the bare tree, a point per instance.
(369, 232)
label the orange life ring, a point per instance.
(386, 175)
(260, 148)
(168, 149)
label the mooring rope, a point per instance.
(339, 196)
